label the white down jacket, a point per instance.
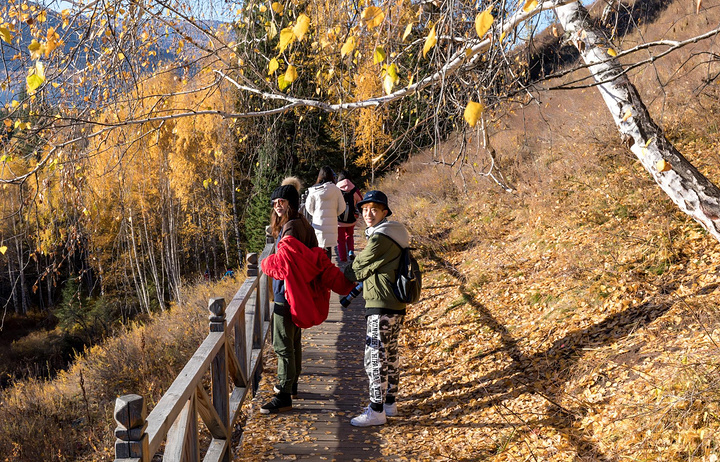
(325, 202)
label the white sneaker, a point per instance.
(369, 418)
(390, 409)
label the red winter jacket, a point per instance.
(309, 277)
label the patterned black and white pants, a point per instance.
(382, 361)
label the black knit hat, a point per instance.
(378, 197)
(289, 193)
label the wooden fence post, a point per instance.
(220, 388)
(132, 441)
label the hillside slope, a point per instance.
(576, 319)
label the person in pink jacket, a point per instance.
(347, 220)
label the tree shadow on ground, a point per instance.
(546, 372)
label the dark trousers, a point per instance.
(288, 348)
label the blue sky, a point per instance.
(202, 9)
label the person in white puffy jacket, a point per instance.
(325, 202)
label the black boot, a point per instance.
(279, 403)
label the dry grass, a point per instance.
(70, 417)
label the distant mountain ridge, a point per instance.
(81, 50)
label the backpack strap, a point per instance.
(393, 240)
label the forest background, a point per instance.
(115, 224)
(122, 225)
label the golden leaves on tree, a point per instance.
(430, 41)
(288, 77)
(483, 22)
(348, 47)
(301, 27)
(273, 66)
(379, 55)
(473, 111)
(36, 77)
(391, 78)
(530, 5)
(291, 74)
(408, 30)
(286, 37)
(5, 34)
(372, 16)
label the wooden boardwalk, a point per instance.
(332, 389)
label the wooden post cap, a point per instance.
(252, 267)
(217, 314)
(217, 308)
(130, 411)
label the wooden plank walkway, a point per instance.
(332, 389)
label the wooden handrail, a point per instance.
(232, 355)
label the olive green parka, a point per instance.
(376, 267)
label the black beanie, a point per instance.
(289, 193)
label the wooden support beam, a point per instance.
(209, 415)
(182, 438)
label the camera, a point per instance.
(357, 290)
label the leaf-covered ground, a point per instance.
(566, 343)
(587, 331)
(576, 319)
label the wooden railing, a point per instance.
(230, 357)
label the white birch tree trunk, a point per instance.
(686, 186)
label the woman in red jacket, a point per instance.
(303, 276)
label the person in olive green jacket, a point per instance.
(376, 268)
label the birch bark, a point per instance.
(689, 189)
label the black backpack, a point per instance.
(350, 213)
(408, 283)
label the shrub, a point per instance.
(73, 412)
